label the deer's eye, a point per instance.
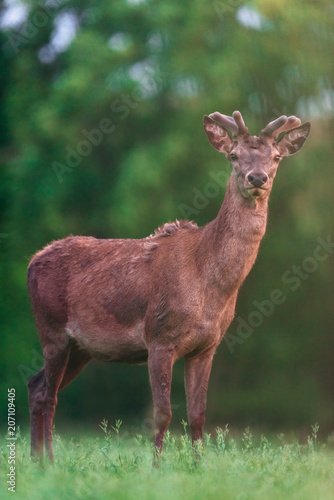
(233, 156)
(277, 158)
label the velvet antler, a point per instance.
(235, 124)
(281, 124)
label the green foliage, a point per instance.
(85, 468)
(137, 79)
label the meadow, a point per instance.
(119, 466)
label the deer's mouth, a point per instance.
(256, 192)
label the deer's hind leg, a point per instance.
(43, 388)
(36, 389)
(55, 368)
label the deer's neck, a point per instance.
(230, 243)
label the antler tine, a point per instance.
(291, 123)
(234, 124)
(281, 124)
(225, 121)
(269, 130)
(242, 129)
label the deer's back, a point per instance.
(79, 269)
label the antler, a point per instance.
(235, 124)
(281, 124)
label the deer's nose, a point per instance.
(257, 180)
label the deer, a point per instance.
(154, 300)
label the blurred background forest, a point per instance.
(101, 135)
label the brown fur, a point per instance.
(152, 300)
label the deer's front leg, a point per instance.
(197, 373)
(160, 365)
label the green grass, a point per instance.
(114, 467)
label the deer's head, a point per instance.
(255, 159)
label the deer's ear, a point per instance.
(217, 135)
(293, 140)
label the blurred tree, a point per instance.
(102, 135)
